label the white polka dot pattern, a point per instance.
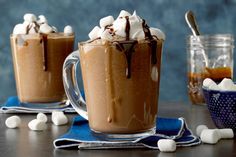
(222, 107)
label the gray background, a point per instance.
(218, 16)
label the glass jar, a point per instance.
(208, 56)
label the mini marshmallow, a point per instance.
(42, 19)
(226, 133)
(30, 17)
(154, 74)
(106, 35)
(124, 13)
(19, 29)
(13, 122)
(207, 82)
(106, 21)
(166, 145)
(158, 33)
(37, 125)
(210, 136)
(94, 33)
(68, 30)
(55, 113)
(45, 29)
(42, 117)
(213, 87)
(119, 27)
(59, 118)
(226, 85)
(200, 128)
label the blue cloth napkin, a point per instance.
(13, 105)
(80, 136)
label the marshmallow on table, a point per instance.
(59, 118)
(13, 122)
(42, 117)
(68, 30)
(226, 133)
(106, 21)
(94, 33)
(210, 136)
(166, 145)
(200, 128)
(37, 125)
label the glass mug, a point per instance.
(38, 60)
(121, 88)
(209, 56)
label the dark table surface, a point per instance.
(23, 142)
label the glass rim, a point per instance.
(102, 43)
(207, 36)
(51, 35)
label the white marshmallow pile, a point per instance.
(38, 124)
(59, 118)
(110, 28)
(32, 25)
(225, 85)
(166, 145)
(212, 136)
(13, 122)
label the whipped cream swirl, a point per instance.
(126, 26)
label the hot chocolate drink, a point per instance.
(121, 74)
(38, 54)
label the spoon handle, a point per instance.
(190, 19)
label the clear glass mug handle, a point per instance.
(71, 86)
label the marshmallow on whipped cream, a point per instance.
(32, 25)
(111, 29)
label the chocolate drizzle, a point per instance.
(127, 28)
(153, 42)
(35, 25)
(45, 49)
(128, 48)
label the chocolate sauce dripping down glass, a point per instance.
(127, 28)
(153, 42)
(45, 49)
(127, 47)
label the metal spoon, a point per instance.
(191, 21)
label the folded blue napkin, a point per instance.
(80, 137)
(13, 105)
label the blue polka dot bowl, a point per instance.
(222, 107)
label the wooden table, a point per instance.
(23, 142)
